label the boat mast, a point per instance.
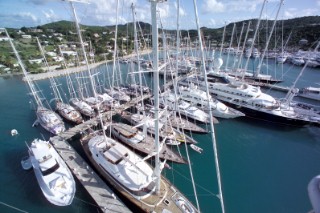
(115, 51)
(88, 67)
(254, 38)
(238, 48)
(53, 83)
(230, 45)
(136, 48)
(30, 84)
(71, 89)
(155, 57)
(244, 45)
(222, 42)
(178, 46)
(210, 110)
(292, 91)
(268, 40)
(82, 47)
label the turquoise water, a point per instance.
(264, 167)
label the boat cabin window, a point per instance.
(50, 170)
(167, 202)
(45, 158)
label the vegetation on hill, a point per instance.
(101, 39)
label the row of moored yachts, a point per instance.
(189, 101)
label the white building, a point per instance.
(26, 36)
(36, 61)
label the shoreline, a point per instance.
(70, 70)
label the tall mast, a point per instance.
(178, 45)
(136, 48)
(292, 91)
(155, 58)
(88, 67)
(52, 81)
(115, 50)
(244, 45)
(239, 42)
(268, 40)
(210, 110)
(29, 82)
(82, 47)
(231, 41)
(254, 37)
(223, 35)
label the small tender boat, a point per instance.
(311, 93)
(53, 175)
(196, 148)
(26, 163)
(50, 120)
(314, 193)
(14, 132)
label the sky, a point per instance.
(212, 13)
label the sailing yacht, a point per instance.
(171, 117)
(48, 119)
(132, 176)
(118, 95)
(311, 93)
(53, 175)
(65, 110)
(147, 122)
(121, 166)
(139, 141)
(68, 112)
(281, 58)
(82, 107)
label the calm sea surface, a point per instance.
(264, 167)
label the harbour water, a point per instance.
(264, 167)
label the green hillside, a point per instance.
(300, 28)
(101, 38)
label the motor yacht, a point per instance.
(53, 175)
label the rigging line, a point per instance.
(86, 202)
(203, 188)
(213, 136)
(15, 208)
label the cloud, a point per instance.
(209, 6)
(19, 20)
(295, 12)
(102, 12)
(212, 23)
(232, 6)
(182, 12)
(244, 5)
(38, 2)
(50, 16)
